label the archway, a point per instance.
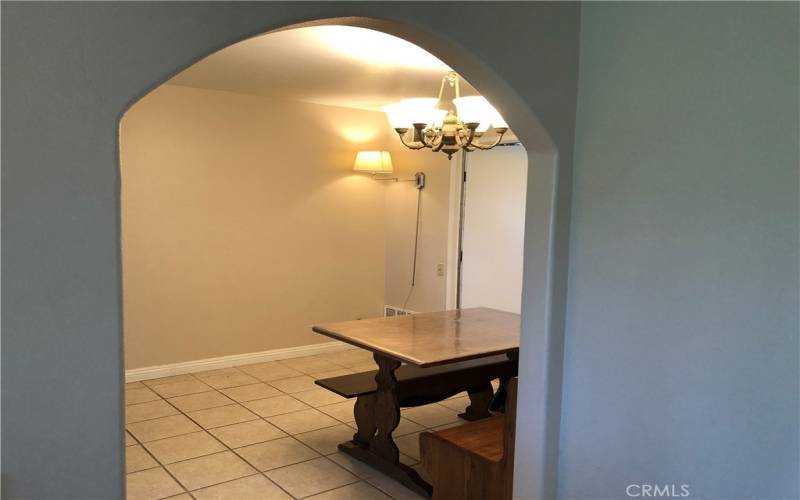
(540, 349)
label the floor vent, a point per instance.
(389, 311)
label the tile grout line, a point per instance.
(259, 417)
(293, 436)
(325, 456)
(235, 454)
(310, 460)
(364, 480)
(163, 466)
(258, 471)
(169, 473)
(211, 389)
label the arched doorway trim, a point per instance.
(541, 353)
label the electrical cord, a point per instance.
(416, 250)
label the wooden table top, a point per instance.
(431, 339)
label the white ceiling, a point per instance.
(334, 65)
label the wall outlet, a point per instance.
(440, 269)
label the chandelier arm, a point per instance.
(493, 144)
(459, 141)
(437, 145)
(467, 142)
(429, 141)
(410, 146)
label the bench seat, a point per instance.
(483, 438)
(474, 461)
(419, 386)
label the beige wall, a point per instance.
(243, 224)
(429, 292)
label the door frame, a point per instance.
(454, 231)
(455, 228)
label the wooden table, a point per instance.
(423, 340)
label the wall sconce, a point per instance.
(380, 162)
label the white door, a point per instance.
(494, 226)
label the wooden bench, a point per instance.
(420, 386)
(474, 461)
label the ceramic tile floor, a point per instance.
(262, 431)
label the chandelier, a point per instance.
(446, 127)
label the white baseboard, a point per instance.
(199, 365)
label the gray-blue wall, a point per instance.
(70, 69)
(682, 342)
(681, 355)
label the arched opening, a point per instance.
(339, 185)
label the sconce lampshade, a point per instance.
(376, 162)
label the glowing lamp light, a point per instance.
(423, 110)
(497, 120)
(374, 162)
(397, 116)
(407, 112)
(476, 109)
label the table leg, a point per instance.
(387, 410)
(377, 416)
(499, 402)
(480, 399)
(364, 412)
